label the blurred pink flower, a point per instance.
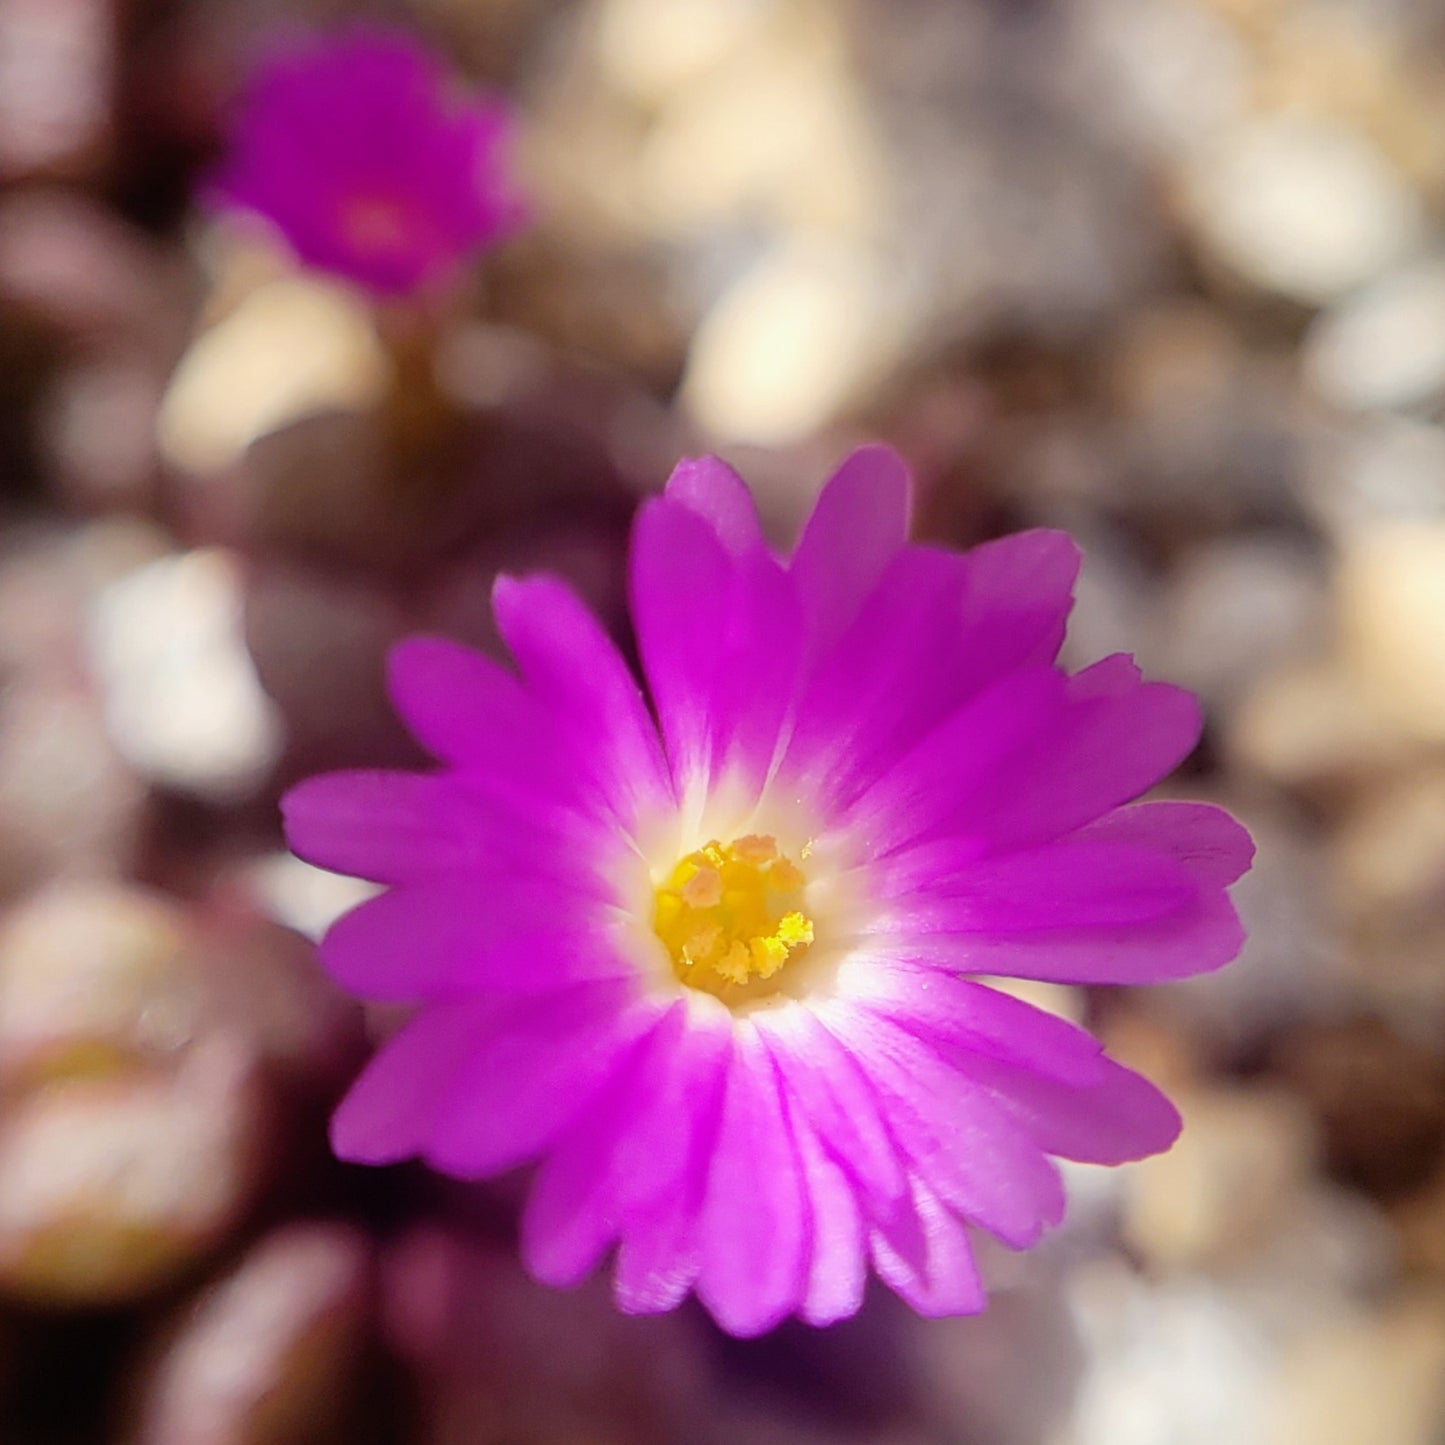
(370, 164)
(713, 969)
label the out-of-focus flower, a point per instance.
(370, 163)
(714, 969)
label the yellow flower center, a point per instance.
(729, 915)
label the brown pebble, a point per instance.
(1419, 1221)
(268, 1354)
(94, 977)
(113, 1186)
(1228, 1185)
(1375, 1376)
(1379, 1097)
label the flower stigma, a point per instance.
(729, 915)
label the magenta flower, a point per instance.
(361, 154)
(711, 952)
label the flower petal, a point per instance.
(388, 1113)
(837, 1271)
(1203, 935)
(469, 711)
(1114, 676)
(925, 791)
(937, 631)
(546, 1062)
(1070, 884)
(388, 827)
(922, 1253)
(757, 683)
(755, 1227)
(877, 691)
(1203, 839)
(1017, 597)
(858, 526)
(1120, 1118)
(664, 1162)
(828, 1089)
(711, 489)
(957, 1139)
(721, 641)
(680, 576)
(566, 1224)
(670, 1122)
(451, 937)
(1103, 751)
(572, 1214)
(946, 1011)
(659, 1257)
(575, 670)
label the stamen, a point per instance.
(729, 915)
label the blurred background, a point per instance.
(1168, 273)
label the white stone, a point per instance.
(182, 701)
(1384, 465)
(1384, 347)
(1392, 619)
(292, 347)
(1236, 608)
(790, 343)
(1170, 72)
(1303, 206)
(307, 899)
(1176, 1364)
(651, 47)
